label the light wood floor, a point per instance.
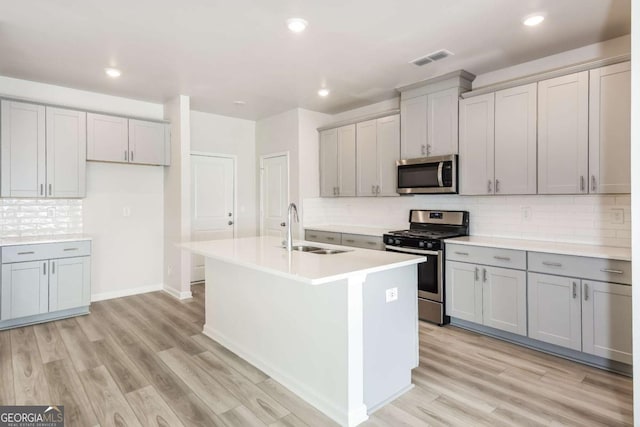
(141, 360)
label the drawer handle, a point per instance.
(315, 236)
(331, 238)
(502, 258)
(26, 253)
(371, 243)
(70, 249)
(461, 253)
(551, 264)
(608, 270)
(349, 240)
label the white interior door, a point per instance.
(274, 190)
(212, 203)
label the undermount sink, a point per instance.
(317, 250)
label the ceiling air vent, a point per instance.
(433, 56)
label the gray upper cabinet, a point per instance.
(107, 138)
(23, 148)
(413, 112)
(118, 139)
(563, 134)
(338, 161)
(148, 142)
(610, 129)
(329, 163)
(377, 149)
(477, 145)
(43, 151)
(66, 152)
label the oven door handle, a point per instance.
(440, 181)
(411, 251)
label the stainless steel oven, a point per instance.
(427, 230)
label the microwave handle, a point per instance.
(440, 182)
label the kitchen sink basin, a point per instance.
(316, 250)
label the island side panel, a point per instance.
(390, 335)
(296, 332)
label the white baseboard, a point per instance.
(349, 419)
(126, 292)
(177, 294)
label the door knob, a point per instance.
(230, 223)
(230, 214)
(283, 224)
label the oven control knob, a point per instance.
(397, 242)
(421, 244)
(429, 245)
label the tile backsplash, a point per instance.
(36, 217)
(601, 220)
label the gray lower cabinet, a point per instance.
(345, 239)
(37, 290)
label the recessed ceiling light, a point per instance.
(239, 103)
(323, 92)
(532, 21)
(112, 72)
(297, 25)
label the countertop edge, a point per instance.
(559, 248)
(36, 240)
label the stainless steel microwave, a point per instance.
(428, 175)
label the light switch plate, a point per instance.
(617, 216)
(391, 294)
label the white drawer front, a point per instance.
(604, 270)
(22, 253)
(362, 241)
(323, 236)
(507, 258)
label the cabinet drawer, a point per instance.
(322, 236)
(22, 253)
(507, 258)
(605, 270)
(362, 241)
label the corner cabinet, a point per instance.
(377, 150)
(43, 151)
(42, 282)
(122, 140)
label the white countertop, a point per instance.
(49, 238)
(356, 229)
(595, 251)
(266, 254)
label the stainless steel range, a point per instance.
(426, 231)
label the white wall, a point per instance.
(215, 134)
(127, 253)
(635, 200)
(109, 189)
(177, 200)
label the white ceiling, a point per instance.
(220, 51)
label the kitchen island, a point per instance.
(320, 324)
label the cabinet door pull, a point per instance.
(44, 268)
(428, 149)
(586, 292)
(593, 183)
(575, 291)
(484, 274)
(53, 267)
(377, 189)
(489, 186)
(497, 186)
(608, 270)
(581, 184)
(126, 155)
(551, 264)
(424, 150)
(373, 189)
(132, 155)
(477, 273)
(502, 258)
(461, 253)
(50, 191)
(42, 189)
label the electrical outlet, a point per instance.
(169, 270)
(391, 294)
(526, 213)
(126, 211)
(617, 216)
(51, 212)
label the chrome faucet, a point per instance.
(292, 212)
